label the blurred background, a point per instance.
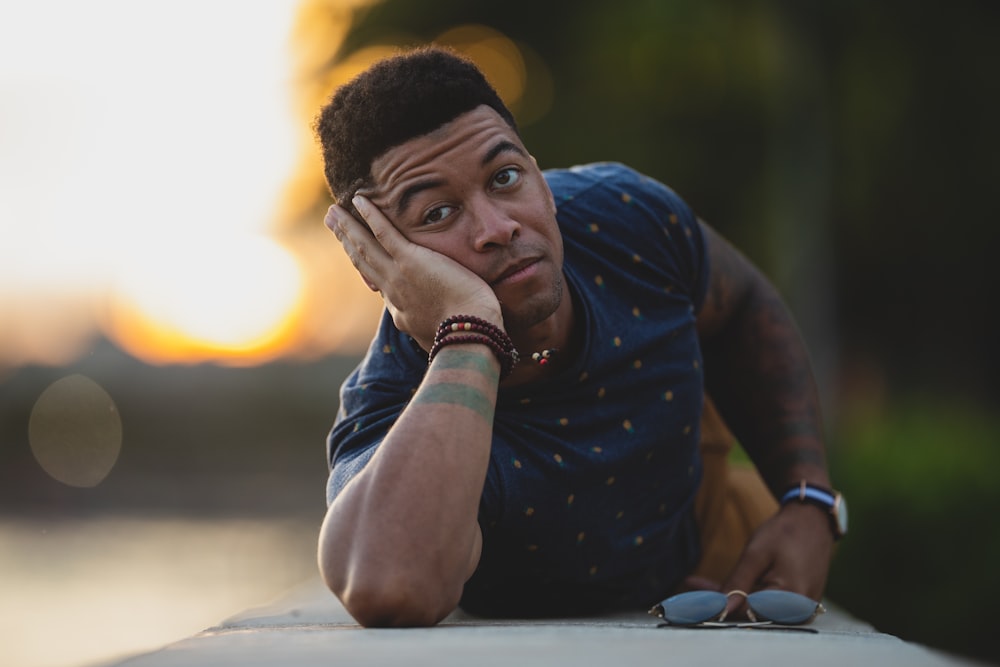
(175, 321)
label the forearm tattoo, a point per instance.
(464, 360)
(444, 385)
(758, 371)
(454, 393)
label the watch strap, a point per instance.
(827, 499)
(805, 492)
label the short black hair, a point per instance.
(397, 99)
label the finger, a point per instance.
(381, 227)
(751, 568)
(388, 240)
(330, 220)
(344, 225)
(340, 222)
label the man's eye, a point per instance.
(506, 177)
(438, 214)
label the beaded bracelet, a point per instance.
(471, 323)
(459, 339)
(453, 330)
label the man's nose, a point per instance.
(493, 226)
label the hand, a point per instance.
(420, 287)
(790, 551)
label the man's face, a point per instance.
(470, 191)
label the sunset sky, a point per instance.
(144, 148)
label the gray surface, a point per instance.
(309, 627)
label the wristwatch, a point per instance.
(828, 499)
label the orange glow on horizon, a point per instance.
(159, 343)
(236, 300)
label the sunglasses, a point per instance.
(709, 608)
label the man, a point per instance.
(565, 477)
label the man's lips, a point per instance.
(513, 270)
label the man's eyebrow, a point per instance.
(502, 147)
(412, 191)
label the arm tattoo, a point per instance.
(465, 360)
(786, 460)
(453, 393)
(758, 370)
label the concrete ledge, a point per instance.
(310, 628)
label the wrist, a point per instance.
(469, 329)
(830, 502)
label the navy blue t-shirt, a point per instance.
(589, 494)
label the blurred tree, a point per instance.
(917, 140)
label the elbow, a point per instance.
(381, 607)
(383, 599)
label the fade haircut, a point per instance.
(397, 99)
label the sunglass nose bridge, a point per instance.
(742, 594)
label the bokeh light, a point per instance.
(497, 56)
(75, 431)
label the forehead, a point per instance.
(451, 148)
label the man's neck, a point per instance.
(558, 334)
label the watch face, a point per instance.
(840, 512)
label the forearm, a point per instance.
(764, 388)
(758, 372)
(401, 539)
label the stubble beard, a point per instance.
(536, 309)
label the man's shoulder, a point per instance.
(616, 219)
(593, 192)
(583, 176)
(601, 183)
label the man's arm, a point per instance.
(759, 375)
(401, 538)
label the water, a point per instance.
(75, 592)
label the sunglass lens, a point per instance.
(693, 608)
(782, 606)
